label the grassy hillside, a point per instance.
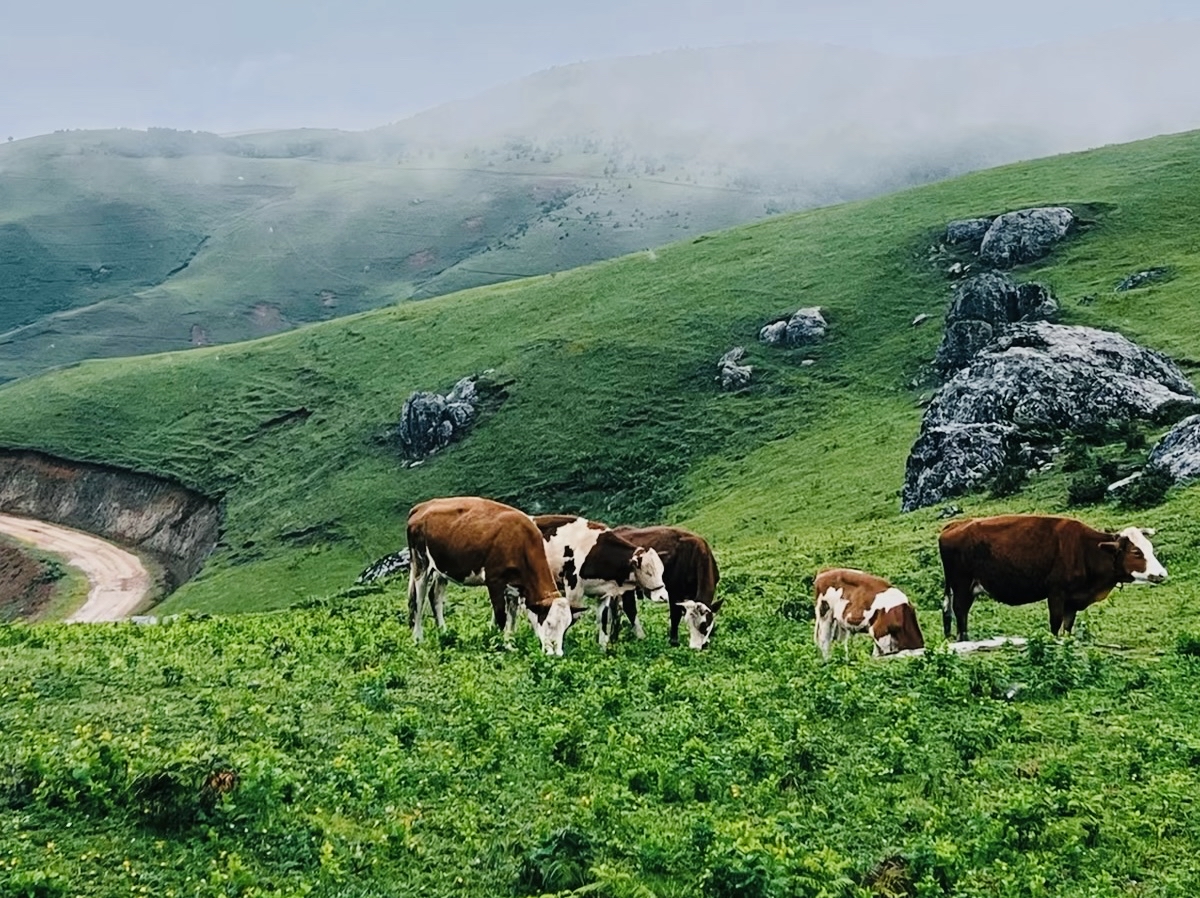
(116, 243)
(317, 751)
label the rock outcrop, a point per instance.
(1142, 278)
(1036, 379)
(177, 526)
(968, 230)
(804, 327)
(984, 307)
(1024, 236)
(431, 421)
(1178, 453)
(730, 374)
(387, 566)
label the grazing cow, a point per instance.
(690, 574)
(1018, 559)
(589, 558)
(478, 542)
(851, 601)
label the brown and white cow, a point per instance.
(478, 542)
(589, 559)
(1018, 559)
(690, 574)
(853, 601)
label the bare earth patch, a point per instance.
(119, 580)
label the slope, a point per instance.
(611, 407)
(120, 242)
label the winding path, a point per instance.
(119, 580)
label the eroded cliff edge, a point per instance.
(177, 526)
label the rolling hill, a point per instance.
(318, 751)
(120, 242)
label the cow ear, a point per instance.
(688, 605)
(716, 606)
(1148, 531)
(1111, 547)
(638, 553)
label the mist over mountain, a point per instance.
(123, 242)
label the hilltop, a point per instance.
(120, 242)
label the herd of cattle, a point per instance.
(548, 564)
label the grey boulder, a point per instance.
(1035, 379)
(984, 307)
(805, 326)
(1178, 453)
(431, 421)
(1025, 235)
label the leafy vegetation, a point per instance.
(319, 752)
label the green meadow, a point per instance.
(312, 749)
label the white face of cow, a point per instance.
(1154, 572)
(648, 572)
(700, 620)
(550, 632)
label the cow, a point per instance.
(690, 575)
(1018, 559)
(479, 542)
(588, 558)
(853, 601)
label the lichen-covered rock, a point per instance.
(1035, 379)
(1142, 278)
(387, 566)
(984, 307)
(431, 421)
(1025, 235)
(731, 375)
(1178, 453)
(805, 326)
(968, 230)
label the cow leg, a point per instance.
(629, 603)
(604, 614)
(512, 600)
(676, 616)
(962, 598)
(437, 599)
(1057, 608)
(418, 589)
(1069, 620)
(497, 593)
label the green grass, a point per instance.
(369, 766)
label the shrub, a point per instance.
(1147, 491)
(559, 863)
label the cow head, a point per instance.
(700, 620)
(551, 622)
(893, 623)
(648, 573)
(1134, 557)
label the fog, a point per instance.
(231, 66)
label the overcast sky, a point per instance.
(237, 65)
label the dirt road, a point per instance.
(119, 579)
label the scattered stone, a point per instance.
(984, 307)
(805, 326)
(1025, 235)
(1178, 453)
(807, 362)
(920, 319)
(958, 269)
(1036, 379)
(387, 566)
(1141, 278)
(731, 375)
(967, 230)
(949, 511)
(431, 421)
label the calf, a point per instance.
(589, 558)
(1018, 559)
(690, 574)
(852, 601)
(478, 542)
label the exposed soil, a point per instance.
(26, 585)
(119, 580)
